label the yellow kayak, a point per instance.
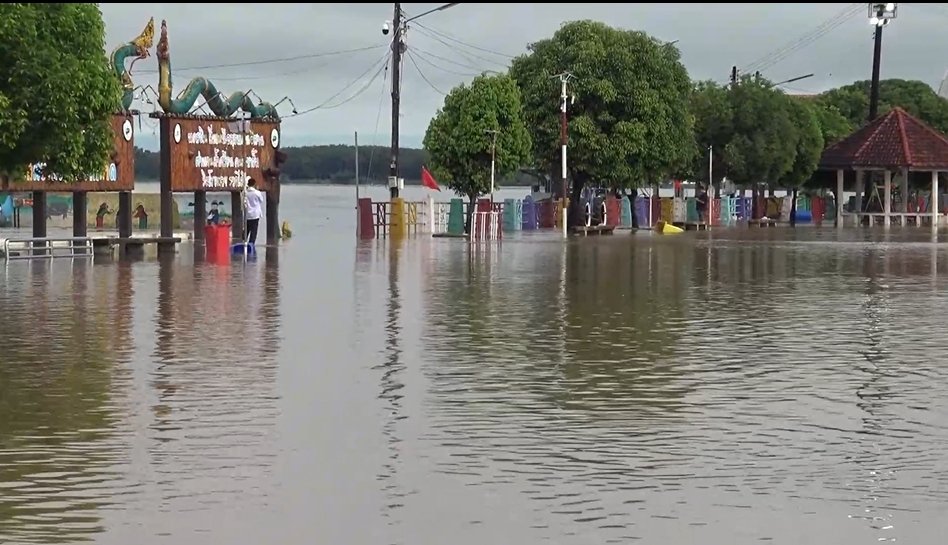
(667, 228)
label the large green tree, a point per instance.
(915, 97)
(629, 124)
(809, 146)
(57, 93)
(751, 128)
(461, 134)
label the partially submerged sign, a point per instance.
(117, 175)
(220, 154)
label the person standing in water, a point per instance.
(253, 203)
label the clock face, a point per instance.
(177, 133)
(275, 138)
(127, 130)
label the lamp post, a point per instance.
(399, 28)
(879, 16)
(493, 154)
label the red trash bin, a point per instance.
(217, 239)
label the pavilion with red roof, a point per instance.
(894, 142)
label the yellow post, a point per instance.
(397, 226)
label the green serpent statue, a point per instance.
(202, 87)
(137, 49)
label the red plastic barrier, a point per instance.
(366, 221)
(613, 211)
(545, 214)
(817, 210)
(217, 240)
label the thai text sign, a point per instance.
(212, 154)
(117, 175)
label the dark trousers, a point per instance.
(252, 230)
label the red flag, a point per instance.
(428, 180)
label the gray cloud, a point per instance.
(712, 38)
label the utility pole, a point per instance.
(399, 27)
(564, 77)
(397, 45)
(493, 154)
(879, 16)
(733, 76)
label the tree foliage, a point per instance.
(808, 136)
(458, 140)
(915, 97)
(748, 125)
(630, 122)
(58, 92)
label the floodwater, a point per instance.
(730, 388)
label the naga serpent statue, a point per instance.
(138, 49)
(202, 87)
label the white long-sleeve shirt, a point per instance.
(254, 203)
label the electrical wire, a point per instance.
(324, 105)
(422, 55)
(422, 30)
(411, 57)
(775, 56)
(378, 119)
(273, 60)
(472, 46)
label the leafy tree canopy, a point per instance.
(630, 122)
(751, 126)
(458, 139)
(809, 143)
(57, 93)
(915, 97)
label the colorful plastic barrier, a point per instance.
(530, 219)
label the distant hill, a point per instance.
(332, 164)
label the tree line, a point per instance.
(636, 118)
(332, 164)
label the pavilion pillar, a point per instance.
(934, 200)
(860, 186)
(840, 179)
(904, 207)
(887, 204)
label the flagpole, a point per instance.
(358, 212)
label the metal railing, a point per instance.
(47, 247)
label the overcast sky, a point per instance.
(455, 44)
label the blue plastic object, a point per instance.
(238, 249)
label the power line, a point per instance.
(472, 46)
(323, 106)
(456, 49)
(784, 51)
(378, 119)
(411, 57)
(274, 60)
(421, 54)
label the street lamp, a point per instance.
(493, 151)
(399, 28)
(879, 16)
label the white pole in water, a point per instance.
(243, 192)
(358, 212)
(710, 206)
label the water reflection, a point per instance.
(391, 386)
(691, 376)
(213, 419)
(60, 379)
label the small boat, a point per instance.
(667, 228)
